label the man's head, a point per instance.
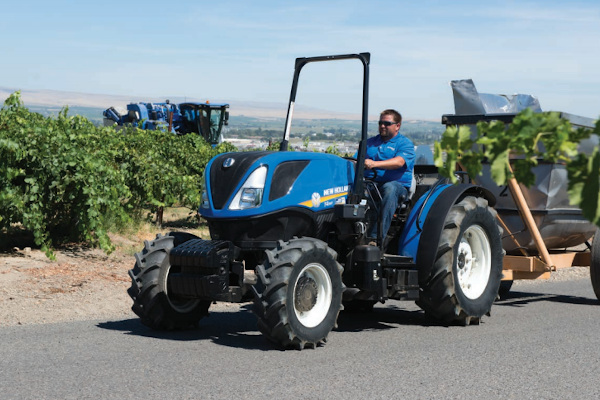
(389, 124)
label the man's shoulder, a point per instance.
(401, 140)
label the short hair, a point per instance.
(395, 114)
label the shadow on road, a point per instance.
(224, 328)
(238, 329)
(519, 299)
(381, 318)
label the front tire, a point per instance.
(302, 294)
(595, 264)
(150, 287)
(466, 275)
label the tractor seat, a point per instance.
(413, 188)
(411, 192)
(403, 207)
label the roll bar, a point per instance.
(355, 196)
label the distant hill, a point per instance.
(89, 104)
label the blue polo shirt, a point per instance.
(378, 150)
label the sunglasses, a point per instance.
(387, 123)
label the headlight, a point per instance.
(251, 193)
(205, 202)
(251, 197)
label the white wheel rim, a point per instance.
(474, 262)
(317, 274)
(182, 306)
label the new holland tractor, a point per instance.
(287, 230)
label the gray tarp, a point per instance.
(468, 101)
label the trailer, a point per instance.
(543, 232)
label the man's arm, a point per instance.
(392, 163)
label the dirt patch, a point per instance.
(86, 284)
(80, 284)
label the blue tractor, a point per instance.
(206, 119)
(288, 232)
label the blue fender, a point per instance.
(425, 223)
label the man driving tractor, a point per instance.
(391, 157)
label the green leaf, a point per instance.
(584, 185)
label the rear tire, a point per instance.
(466, 274)
(150, 287)
(595, 264)
(302, 293)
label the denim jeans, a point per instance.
(392, 193)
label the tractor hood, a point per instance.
(248, 184)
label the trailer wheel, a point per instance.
(595, 264)
(468, 267)
(302, 293)
(150, 287)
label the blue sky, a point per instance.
(245, 50)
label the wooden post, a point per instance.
(515, 190)
(159, 216)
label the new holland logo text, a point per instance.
(337, 193)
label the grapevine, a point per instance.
(66, 180)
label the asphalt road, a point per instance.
(542, 342)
